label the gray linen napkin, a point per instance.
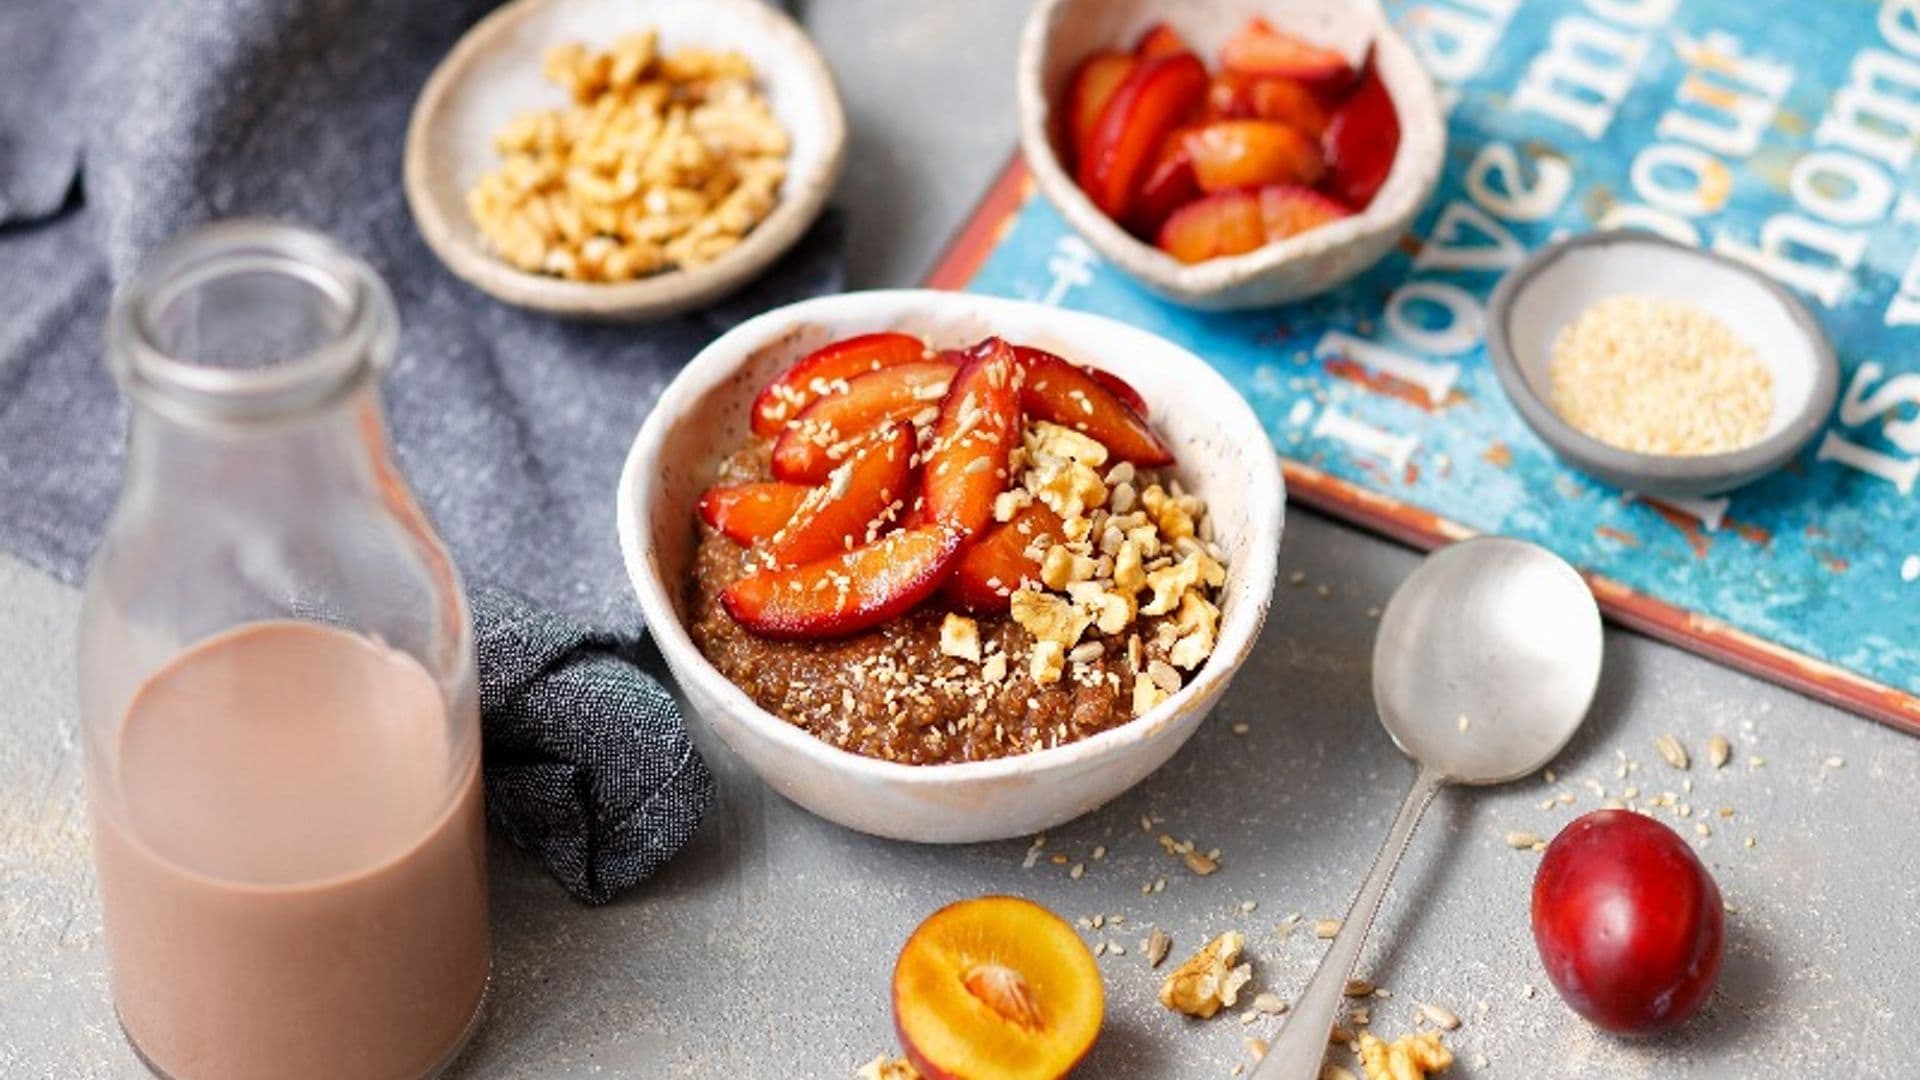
(123, 122)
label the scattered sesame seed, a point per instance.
(1671, 750)
(1718, 751)
(1660, 377)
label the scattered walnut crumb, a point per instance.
(1326, 929)
(1200, 864)
(1209, 979)
(1269, 1004)
(1410, 1057)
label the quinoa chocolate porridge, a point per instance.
(940, 557)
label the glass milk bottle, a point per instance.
(277, 689)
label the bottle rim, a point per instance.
(359, 349)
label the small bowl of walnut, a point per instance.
(623, 159)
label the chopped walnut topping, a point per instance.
(1146, 694)
(1198, 621)
(1048, 663)
(1048, 618)
(1061, 473)
(994, 668)
(1118, 545)
(1170, 583)
(1209, 979)
(1172, 520)
(960, 638)
(1410, 1057)
(1008, 504)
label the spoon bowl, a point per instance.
(1486, 660)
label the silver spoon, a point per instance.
(1486, 662)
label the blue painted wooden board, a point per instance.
(1724, 123)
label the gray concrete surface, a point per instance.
(764, 950)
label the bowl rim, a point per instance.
(1658, 469)
(1142, 259)
(721, 360)
(804, 195)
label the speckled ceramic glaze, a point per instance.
(494, 74)
(1223, 454)
(1060, 33)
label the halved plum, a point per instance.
(815, 375)
(979, 426)
(1261, 49)
(749, 513)
(996, 986)
(1071, 396)
(845, 593)
(1236, 222)
(842, 513)
(1228, 155)
(826, 432)
(1158, 95)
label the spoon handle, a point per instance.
(1297, 1053)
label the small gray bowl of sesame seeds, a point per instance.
(1658, 367)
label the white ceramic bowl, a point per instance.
(1224, 456)
(494, 75)
(1061, 33)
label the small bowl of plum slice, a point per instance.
(1229, 155)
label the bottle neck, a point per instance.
(337, 453)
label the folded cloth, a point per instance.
(510, 425)
(587, 762)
